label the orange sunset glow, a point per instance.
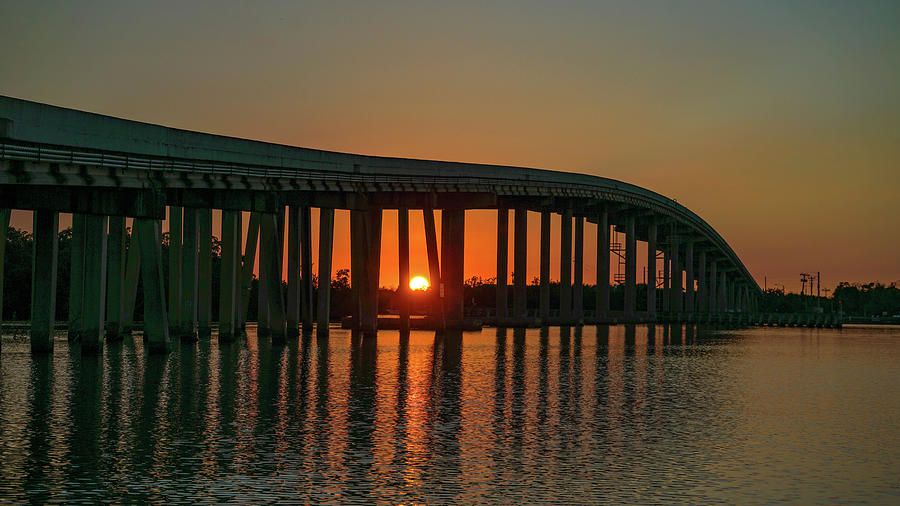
(784, 137)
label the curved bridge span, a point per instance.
(103, 169)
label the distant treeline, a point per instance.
(856, 299)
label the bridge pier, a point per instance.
(229, 281)
(270, 254)
(190, 238)
(370, 263)
(306, 286)
(115, 278)
(677, 281)
(723, 291)
(326, 246)
(43, 280)
(689, 277)
(4, 227)
(667, 281)
(453, 227)
(132, 273)
(702, 292)
(403, 290)
(544, 308)
(204, 273)
(651, 269)
(92, 330)
(294, 295)
(247, 266)
(578, 276)
(565, 267)
(76, 278)
(156, 327)
(712, 304)
(630, 268)
(175, 237)
(502, 263)
(602, 296)
(434, 268)
(520, 255)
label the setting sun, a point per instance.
(418, 283)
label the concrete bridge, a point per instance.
(104, 169)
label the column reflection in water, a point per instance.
(361, 411)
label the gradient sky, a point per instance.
(778, 122)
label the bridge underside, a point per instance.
(693, 269)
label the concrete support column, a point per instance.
(357, 282)
(676, 303)
(292, 310)
(270, 256)
(434, 267)
(156, 327)
(712, 304)
(403, 291)
(630, 268)
(4, 227)
(565, 267)
(43, 280)
(723, 292)
(115, 278)
(689, 277)
(578, 275)
(132, 273)
(92, 330)
(667, 281)
(651, 269)
(602, 302)
(76, 279)
(306, 285)
(326, 245)
(247, 264)
(520, 256)
(229, 280)
(190, 238)
(266, 250)
(502, 261)
(175, 257)
(702, 291)
(452, 248)
(204, 272)
(371, 239)
(544, 310)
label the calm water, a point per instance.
(615, 414)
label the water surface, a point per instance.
(619, 414)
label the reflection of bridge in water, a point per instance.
(104, 169)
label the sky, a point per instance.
(778, 122)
